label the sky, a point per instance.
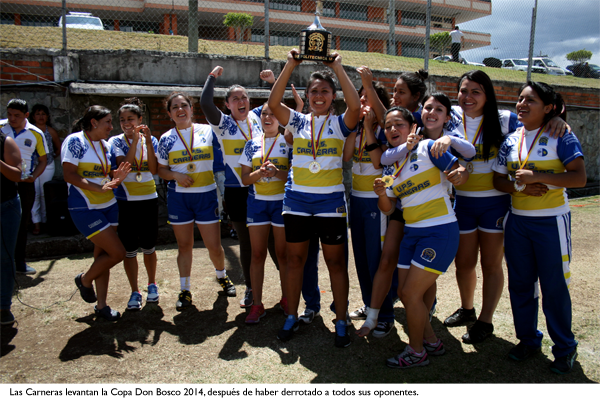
(562, 26)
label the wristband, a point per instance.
(213, 75)
(372, 146)
(519, 188)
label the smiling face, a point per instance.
(270, 124)
(238, 103)
(403, 97)
(101, 128)
(531, 110)
(434, 116)
(129, 120)
(180, 112)
(320, 96)
(471, 98)
(397, 128)
(16, 118)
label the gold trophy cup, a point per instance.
(315, 41)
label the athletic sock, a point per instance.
(221, 274)
(185, 283)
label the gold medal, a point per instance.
(105, 181)
(191, 167)
(314, 167)
(387, 180)
(138, 177)
(470, 167)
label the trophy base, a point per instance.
(313, 57)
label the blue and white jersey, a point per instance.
(30, 141)
(422, 189)
(232, 136)
(548, 155)
(363, 170)
(252, 157)
(131, 189)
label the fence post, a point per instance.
(427, 34)
(392, 21)
(531, 40)
(64, 26)
(267, 35)
(193, 26)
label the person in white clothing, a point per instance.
(458, 40)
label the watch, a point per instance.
(372, 146)
(519, 188)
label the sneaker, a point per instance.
(522, 351)
(256, 313)
(135, 301)
(461, 317)
(361, 313)
(342, 336)
(248, 299)
(152, 293)
(408, 359)
(6, 317)
(87, 294)
(27, 270)
(383, 329)
(564, 365)
(290, 326)
(283, 304)
(432, 311)
(107, 313)
(233, 234)
(434, 349)
(227, 286)
(478, 332)
(307, 316)
(184, 300)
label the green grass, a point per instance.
(12, 36)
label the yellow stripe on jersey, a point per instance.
(41, 150)
(417, 183)
(201, 179)
(479, 154)
(140, 188)
(91, 170)
(233, 147)
(96, 197)
(551, 199)
(327, 147)
(551, 166)
(324, 178)
(204, 153)
(363, 183)
(271, 188)
(431, 209)
(478, 183)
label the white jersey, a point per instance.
(31, 143)
(363, 170)
(131, 189)
(173, 153)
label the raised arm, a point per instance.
(377, 106)
(352, 115)
(281, 111)
(207, 103)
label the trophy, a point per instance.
(315, 41)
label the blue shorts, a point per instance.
(315, 204)
(432, 249)
(264, 212)
(483, 213)
(185, 208)
(91, 222)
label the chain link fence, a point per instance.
(371, 28)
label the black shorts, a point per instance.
(236, 203)
(397, 215)
(138, 224)
(299, 228)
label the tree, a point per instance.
(579, 56)
(238, 21)
(440, 42)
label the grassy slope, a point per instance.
(12, 36)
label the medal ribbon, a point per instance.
(521, 140)
(315, 146)
(265, 156)
(400, 167)
(104, 166)
(363, 142)
(477, 133)
(249, 128)
(138, 165)
(185, 144)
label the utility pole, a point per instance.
(531, 41)
(193, 26)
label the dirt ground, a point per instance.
(57, 339)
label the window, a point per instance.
(413, 50)
(132, 26)
(329, 9)
(277, 38)
(353, 11)
(285, 5)
(7, 19)
(353, 44)
(410, 18)
(38, 20)
(508, 63)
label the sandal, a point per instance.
(87, 294)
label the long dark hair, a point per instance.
(548, 96)
(492, 131)
(93, 112)
(325, 76)
(416, 83)
(134, 105)
(443, 99)
(406, 114)
(35, 109)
